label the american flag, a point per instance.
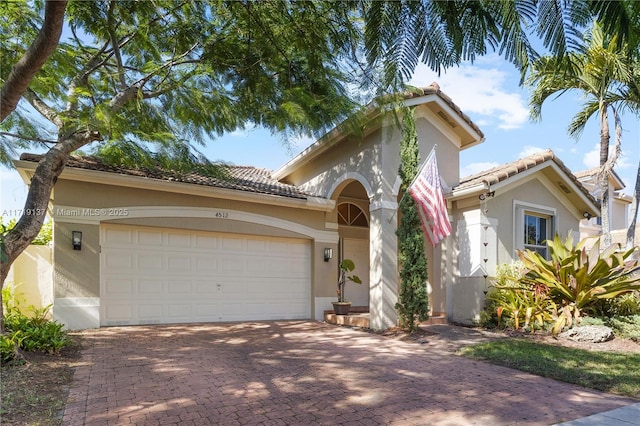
(426, 191)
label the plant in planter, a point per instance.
(342, 307)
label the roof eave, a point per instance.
(26, 168)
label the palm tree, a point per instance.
(600, 71)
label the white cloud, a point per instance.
(473, 168)
(244, 132)
(481, 92)
(591, 158)
(528, 150)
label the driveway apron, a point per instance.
(303, 373)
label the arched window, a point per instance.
(351, 215)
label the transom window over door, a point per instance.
(351, 215)
(536, 232)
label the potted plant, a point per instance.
(342, 307)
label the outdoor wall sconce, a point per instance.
(76, 240)
(328, 254)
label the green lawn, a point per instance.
(613, 372)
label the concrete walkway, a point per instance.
(304, 373)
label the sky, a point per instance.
(487, 91)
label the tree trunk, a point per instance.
(603, 175)
(37, 54)
(35, 208)
(631, 232)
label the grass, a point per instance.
(613, 372)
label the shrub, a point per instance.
(577, 279)
(624, 305)
(34, 332)
(514, 305)
(622, 326)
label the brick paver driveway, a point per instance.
(303, 373)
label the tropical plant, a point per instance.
(601, 72)
(345, 267)
(29, 328)
(513, 304)
(576, 277)
(413, 300)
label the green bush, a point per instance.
(625, 305)
(33, 332)
(577, 279)
(625, 326)
(511, 304)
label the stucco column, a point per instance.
(383, 273)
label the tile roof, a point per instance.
(240, 178)
(501, 173)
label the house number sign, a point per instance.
(221, 215)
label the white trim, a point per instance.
(86, 216)
(347, 176)
(77, 313)
(519, 210)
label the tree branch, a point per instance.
(44, 109)
(34, 58)
(13, 135)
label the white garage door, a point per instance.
(157, 275)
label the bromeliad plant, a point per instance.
(515, 304)
(577, 277)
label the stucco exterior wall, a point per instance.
(97, 196)
(31, 277)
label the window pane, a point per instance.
(542, 231)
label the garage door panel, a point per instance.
(116, 237)
(118, 312)
(149, 288)
(207, 242)
(153, 275)
(147, 238)
(232, 244)
(178, 264)
(206, 264)
(118, 261)
(149, 261)
(119, 287)
(150, 311)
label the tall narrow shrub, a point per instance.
(413, 302)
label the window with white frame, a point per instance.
(536, 232)
(534, 226)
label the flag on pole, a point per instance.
(426, 191)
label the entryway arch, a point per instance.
(352, 217)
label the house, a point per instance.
(618, 207)
(151, 246)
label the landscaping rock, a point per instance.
(589, 333)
